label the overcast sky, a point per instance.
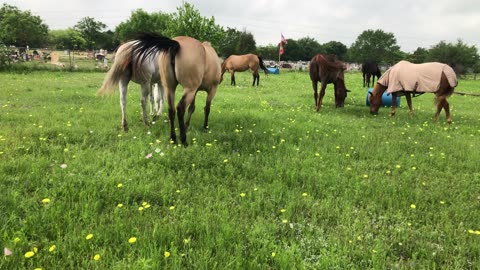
(415, 23)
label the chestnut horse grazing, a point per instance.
(126, 68)
(186, 61)
(370, 69)
(326, 69)
(242, 63)
(405, 78)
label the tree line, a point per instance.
(21, 28)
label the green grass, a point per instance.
(273, 185)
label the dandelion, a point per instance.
(242, 194)
(274, 254)
(96, 257)
(16, 240)
(414, 168)
(285, 221)
(46, 200)
(132, 240)
(186, 240)
(144, 203)
(171, 208)
(304, 194)
(38, 268)
(365, 176)
(120, 205)
(52, 248)
(89, 236)
(63, 166)
(141, 208)
(413, 206)
(442, 202)
(283, 210)
(317, 154)
(389, 172)
(29, 254)
(208, 145)
(225, 161)
(398, 166)
(166, 254)
(147, 206)
(120, 185)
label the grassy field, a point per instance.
(272, 185)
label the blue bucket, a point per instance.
(386, 99)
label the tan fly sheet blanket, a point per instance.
(405, 76)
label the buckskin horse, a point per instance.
(126, 68)
(185, 61)
(405, 78)
(370, 69)
(242, 63)
(326, 69)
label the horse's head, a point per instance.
(340, 93)
(375, 98)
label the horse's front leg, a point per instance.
(210, 96)
(191, 109)
(187, 98)
(232, 78)
(123, 102)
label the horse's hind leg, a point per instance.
(320, 97)
(146, 90)
(186, 100)
(408, 97)
(394, 104)
(123, 83)
(315, 93)
(442, 103)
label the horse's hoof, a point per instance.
(449, 121)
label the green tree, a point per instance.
(187, 21)
(337, 48)
(141, 21)
(269, 52)
(375, 46)
(90, 30)
(303, 49)
(21, 28)
(69, 39)
(420, 55)
(106, 40)
(236, 42)
(459, 56)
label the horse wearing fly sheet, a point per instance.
(405, 78)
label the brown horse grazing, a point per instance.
(186, 61)
(326, 69)
(242, 63)
(405, 78)
(370, 69)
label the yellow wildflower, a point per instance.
(132, 240)
(89, 236)
(29, 254)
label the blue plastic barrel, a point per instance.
(272, 70)
(386, 99)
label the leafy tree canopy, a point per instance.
(21, 28)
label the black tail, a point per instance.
(149, 44)
(262, 65)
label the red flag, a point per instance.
(283, 39)
(281, 49)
